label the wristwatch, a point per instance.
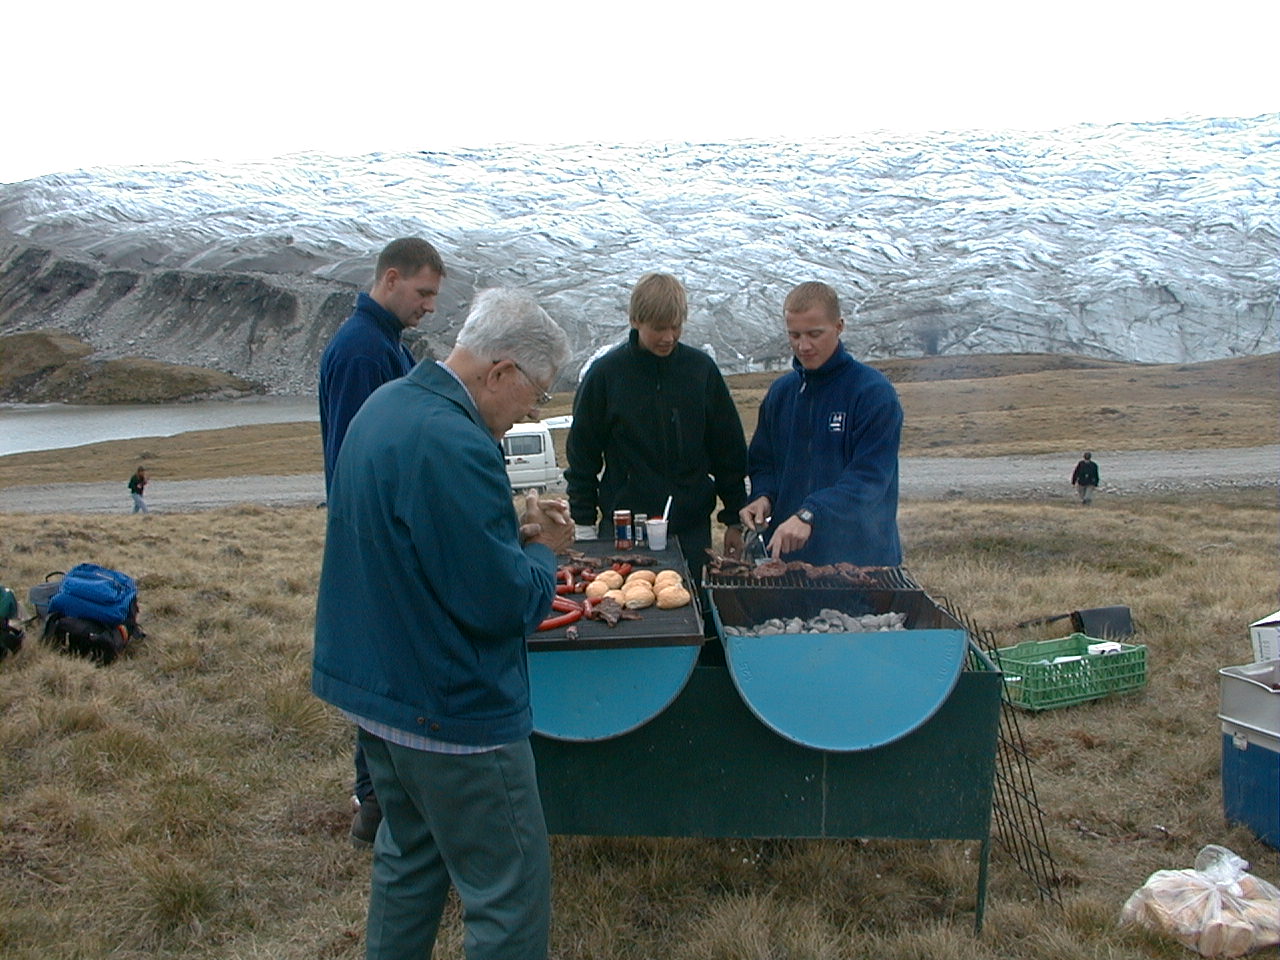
(805, 514)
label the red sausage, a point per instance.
(551, 623)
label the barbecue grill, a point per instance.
(889, 734)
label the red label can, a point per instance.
(622, 537)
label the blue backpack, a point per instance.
(94, 613)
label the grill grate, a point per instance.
(878, 578)
(1016, 815)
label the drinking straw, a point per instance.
(666, 509)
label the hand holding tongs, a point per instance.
(753, 549)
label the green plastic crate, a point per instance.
(1034, 682)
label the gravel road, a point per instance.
(923, 478)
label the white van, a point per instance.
(531, 457)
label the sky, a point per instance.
(141, 81)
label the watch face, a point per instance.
(805, 515)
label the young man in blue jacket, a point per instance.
(824, 458)
(365, 353)
(429, 587)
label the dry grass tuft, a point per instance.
(172, 895)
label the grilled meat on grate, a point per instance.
(719, 566)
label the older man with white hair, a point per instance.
(430, 585)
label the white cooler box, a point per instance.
(1250, 715)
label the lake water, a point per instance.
(50, 426)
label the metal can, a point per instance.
(622, 529)
(641, 532)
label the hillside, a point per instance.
(51, 366)
(1006, 406)
(1028, 404)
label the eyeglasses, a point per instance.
(543, 397)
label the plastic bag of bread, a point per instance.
(1216, 909)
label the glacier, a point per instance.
(1149, 242)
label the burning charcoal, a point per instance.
(828, 620)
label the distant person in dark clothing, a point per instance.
(1085, 478)
(824, 457)
(657, 415)
(138, 483)
(365, 353)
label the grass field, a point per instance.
(190, 800)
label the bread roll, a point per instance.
(597, 589)
(641, 576)
(672, 597)
(612, 577)
(638, 599)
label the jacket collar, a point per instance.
(387, 321)
(433, 376)
(835, 363)
(633, 344)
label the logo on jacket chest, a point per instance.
(835, 421)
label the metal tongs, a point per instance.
(753, 550)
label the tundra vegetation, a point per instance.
(191, 799)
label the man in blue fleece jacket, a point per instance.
(365, 353)
(824, 458)
(429, 587)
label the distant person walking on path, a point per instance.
(1085, 478)
(138, 483)
(365, 353)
